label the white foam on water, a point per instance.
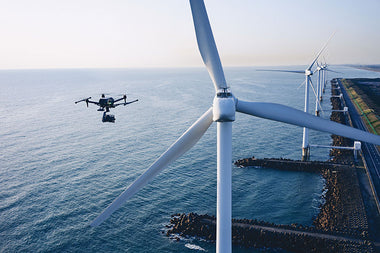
(194, 247)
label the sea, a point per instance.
(60, 166)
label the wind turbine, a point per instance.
(223, 113)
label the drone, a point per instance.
(105, 103)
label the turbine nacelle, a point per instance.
(308, 72)
(224, 106)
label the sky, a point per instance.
(158, 34)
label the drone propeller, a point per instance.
(85, 99)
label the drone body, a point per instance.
(105, 103)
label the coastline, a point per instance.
(375, 67)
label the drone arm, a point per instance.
(92, 102)
(131, 102)
(82, 100)
(124, 97)
(126, 103)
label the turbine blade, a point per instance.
(183, 144)
(316, 96)
(304, 81)
(206, 44)
(292, 116)
(323, 48)
(312, 87)
(334, 71)
(279, 70)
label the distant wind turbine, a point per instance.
(321, 84)
(223, 112)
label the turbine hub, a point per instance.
(308, 72)
(224, 106)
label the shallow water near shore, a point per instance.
(60, 166)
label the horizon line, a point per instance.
(178, 67)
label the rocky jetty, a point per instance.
(258, 234)
(288, 164)
(343, 210)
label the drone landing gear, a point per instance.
(108, 117)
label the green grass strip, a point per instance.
(365, 116)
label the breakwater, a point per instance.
(287, 164)
(259, 234)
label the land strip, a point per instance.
(365, 94)
(374, 67)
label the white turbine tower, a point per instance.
(318, 95)
(323, 81)
(223, 112)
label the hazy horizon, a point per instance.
(294, 66)
(44, 34)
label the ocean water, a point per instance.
(60, 166)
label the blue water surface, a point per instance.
(60, 166)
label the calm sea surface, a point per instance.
(60, 166)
